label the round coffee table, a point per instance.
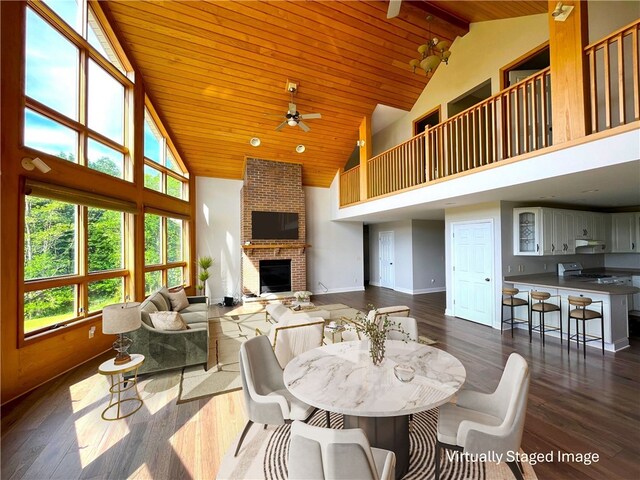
(341, 378)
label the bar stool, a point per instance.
(584, 314)
(510, 300)
(542, 307)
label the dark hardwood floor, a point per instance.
(575, 406)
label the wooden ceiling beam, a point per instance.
(435, 9)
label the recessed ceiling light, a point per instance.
(300, 148)
(255, 142)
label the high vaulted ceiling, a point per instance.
(216, 71)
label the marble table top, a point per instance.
(341, 378)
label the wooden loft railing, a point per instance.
(513, 122)
(350, 186)
(614, 101)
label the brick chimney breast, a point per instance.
(272, 187)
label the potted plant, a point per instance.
(204, 263)
(375, 328)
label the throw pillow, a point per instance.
(168, 321)
(178, 300)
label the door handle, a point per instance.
(487, 279)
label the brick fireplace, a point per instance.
(272, 187)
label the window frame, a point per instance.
(86, 52)
(166, 145)
(80, 281)
(164, 266)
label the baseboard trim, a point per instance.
(341, 290)
(420, 290)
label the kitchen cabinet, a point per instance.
(623, 232)
(527, 231)
(563, 234)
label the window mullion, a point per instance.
(165, 244)
(82, 103)
(83, 261)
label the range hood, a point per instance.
(589, 243)
(590, 246)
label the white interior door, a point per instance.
(386, 249)
(472, 247)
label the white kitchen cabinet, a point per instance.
(562, 236)
(601, 230)
(527, 231)
(584, 225)
(623, 232)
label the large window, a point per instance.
(76, 88)
(164, 253)
(162, 172)
(74, 261)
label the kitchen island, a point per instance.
(614, 301)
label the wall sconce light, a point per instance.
(29, 164)
(360, 143)
(561, 12)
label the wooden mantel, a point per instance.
(276, 246)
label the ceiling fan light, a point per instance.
(300, 148)
(255, 142)
(292, 122)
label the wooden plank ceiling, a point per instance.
(216, 72)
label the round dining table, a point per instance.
(342, 378)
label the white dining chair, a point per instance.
(488, 423)
(292, 336)
(403, 328)
(266, 397)
(325, 453)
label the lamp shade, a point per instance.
(430, 63)
(121, 318)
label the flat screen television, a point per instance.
(274, 226)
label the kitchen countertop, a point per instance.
(580, 284)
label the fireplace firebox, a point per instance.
(275, 276)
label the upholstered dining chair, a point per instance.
(266, 397)
(408, 325)
(480, 423)
(325, 453)
(292, 336)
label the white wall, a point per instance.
(402, 261)
(218, 234)
(476, 57)
(607, 16)
(418, 255)
(483, 211)
(428, 248)
(335, 256)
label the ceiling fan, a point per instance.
(293, 117)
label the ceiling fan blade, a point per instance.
(292, 108)
(281, 126)
(394, 8)
(303, 126)
(310, 116)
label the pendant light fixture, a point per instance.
(432, 53)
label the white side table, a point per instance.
(119, 385)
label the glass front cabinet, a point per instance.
(527, 231)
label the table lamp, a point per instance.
(118, 319)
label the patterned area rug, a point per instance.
(226, 334)
(264, 454)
